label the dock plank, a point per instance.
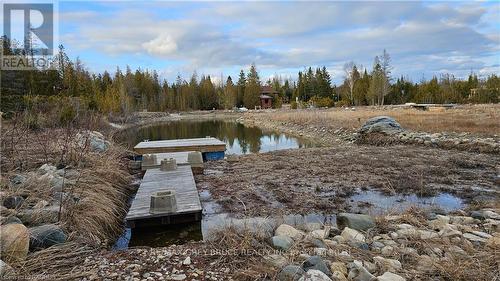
(181, 180)
(180, 145)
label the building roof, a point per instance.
(265, 97)
(267, 90)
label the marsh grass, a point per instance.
(477, 119)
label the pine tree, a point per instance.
(251, 97)
(241, 89)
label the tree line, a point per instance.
(126, 91)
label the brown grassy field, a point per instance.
(477, 119)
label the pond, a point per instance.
(239, 139)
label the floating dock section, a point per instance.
(181, 181)
(203, 145)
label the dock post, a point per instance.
(195, 159)
(168, 165)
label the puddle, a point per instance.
(379, 202)
(373, 202)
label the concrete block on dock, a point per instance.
(149, 159)
(195, 160)
(163, 202)
(168, 165)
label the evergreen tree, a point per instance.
(251, 96)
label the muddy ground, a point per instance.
(321, 180)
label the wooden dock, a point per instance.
(181, 158)
(188, 202)
(181, 145)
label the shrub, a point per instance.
(322, 102)
(293, 105)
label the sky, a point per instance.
(220, 38)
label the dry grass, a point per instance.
(246, 251)
(102, 188)
(478, 119)
(57, 262)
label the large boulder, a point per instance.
(44, 236)
(355, 221)
(93, 139)
(381, 124)
(14, 242)
(291, 273)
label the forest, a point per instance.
(73, 87)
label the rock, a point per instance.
(330, 243)
(177, 277)
(449, 230)
(387, 250)
(13, 202)
(426, 234)
(491, 215)
(474, 238)
(355, 221)
(381, 124)
(93, 139)
(47, 235)
(318, 243)
(277, 261)
(18, 179)
(46, 169)
(321, 233)
(339, 239)
(6, 271)
(338, 276)
(371, 267)
(314, 275)
(359, 273)
(291, 273)
(387, 264)
(14, 242)
(339, 267)
(282, 242)
(316, 262)
(350, 234)
(311, 226)
(481, 234)
(440, 222)
(345, 256)
(12, 220)
(320, 251)
(389, 276)
(186, 261)
(56, 183)
(289, 231)
(377, 245)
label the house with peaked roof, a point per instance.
(266, 96)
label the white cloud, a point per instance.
(162, 45)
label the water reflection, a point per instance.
(238, 138)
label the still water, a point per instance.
(238, 138)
